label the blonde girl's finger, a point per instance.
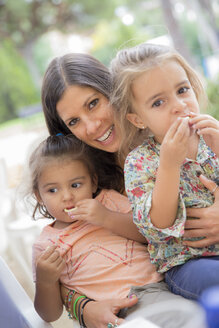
(206, 124)
(183, 129)
(173, 128)
(208, 131)
(202, 118)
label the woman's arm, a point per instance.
(98, 314)
(208, 224)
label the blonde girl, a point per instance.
(156, 90)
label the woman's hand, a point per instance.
(208, 224)
(208, 127)
(99, 314)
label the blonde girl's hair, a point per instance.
(128, 64)
(60, 148)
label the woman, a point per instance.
(75, 97)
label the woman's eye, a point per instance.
(52, 190)
(93, 103)
(73, 121)
(183, 90)
(76, 185)
(157, 103)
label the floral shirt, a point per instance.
(165, 245)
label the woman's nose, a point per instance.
(92, 126)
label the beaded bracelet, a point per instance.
(68, 302)
(75, 303)
(82, 311)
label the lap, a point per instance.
(193, 277)
(155, 302)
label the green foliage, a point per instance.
(195, 42)
(36, 120)
(109, 37)
(17, 89)
(42, 54)
(24, 21)
(213, 96)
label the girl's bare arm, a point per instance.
(48, 301)
(165, 196)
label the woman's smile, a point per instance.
(88, 115)
(106, 135)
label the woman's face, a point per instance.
(87, 113)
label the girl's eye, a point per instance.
(76, 185)
(73, 121)
(157, 103)
(183, 90)
(93, 103)
(52, 190)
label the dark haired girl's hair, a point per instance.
(100, 164)
(70, 69)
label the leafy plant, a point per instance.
(17, 89)
(213, 96)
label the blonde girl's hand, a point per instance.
(90, 210)
(49, 266)
(175, 143)
(208, 127)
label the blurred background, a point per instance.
(32, 32)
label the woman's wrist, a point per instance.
(81, 308)
(75, 304)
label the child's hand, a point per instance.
(49, 266)
(90, 210)
(174, 147)
(208, 127)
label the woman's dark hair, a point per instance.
(100, 165)
(70, 69)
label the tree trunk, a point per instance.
(175, 32)
(11, 110)
(207, 6)
(206, 27)
(27, 53)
